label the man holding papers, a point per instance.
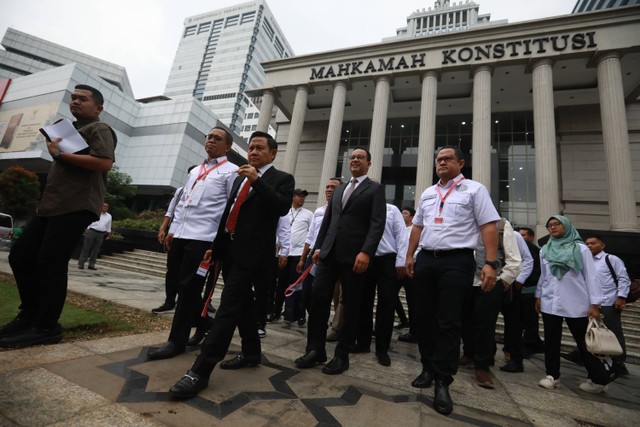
(72, 199)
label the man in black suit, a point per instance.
(351, 230)
(245, 245)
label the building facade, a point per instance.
(219, 58)
(158, 138)
(589, 5)
(445, 17)
(546, 112)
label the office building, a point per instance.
(589, 5)
(219, 58)
(158, 138)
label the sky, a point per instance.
(143, 35)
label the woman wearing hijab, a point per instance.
(567, 290)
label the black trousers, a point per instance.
(237, 308)
(171, 280)
(380, 277)
(530, 323)
(407, 284)
(479, 325)
(328, 273)
(442, 285)
(286, 277)
(513, 325)
(40, 263)
(187, 255)
(553, 338)
(612, 320)
(264, 288)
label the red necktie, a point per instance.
(233, 215)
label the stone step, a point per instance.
(154, 263)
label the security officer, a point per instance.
(452, 213)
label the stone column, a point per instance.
(547, 184)
(426, 133)
(295, 131)
(481, 136)
(617, 154)
(268, 98)
(379, 126)
(333, 137)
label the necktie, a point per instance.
(348, 191)
(233, 215)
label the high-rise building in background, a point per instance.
(445, 18)
(219, 58)
(589, 5)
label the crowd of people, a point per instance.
(459, 262)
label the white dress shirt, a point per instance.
(512, 260)
(394, 239)
(605, 279)
(102, 224)
(199, 221)
(466, 208)
(283, 236)
(171, 210)
(314, 229)
(300, 220)
(571, 295)
(526, 267)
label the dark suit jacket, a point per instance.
(356, 228)
(254, 239)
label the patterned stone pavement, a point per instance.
(109, 382)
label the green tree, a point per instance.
(19, 192)
(119, 190)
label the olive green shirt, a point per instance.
(71, 188)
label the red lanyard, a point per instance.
(442, 199)
(204, 171)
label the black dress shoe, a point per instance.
(189, 386)
(336, 366)
(92, 268)
(197, 338)
(424, 380)
(167, 351)
(164, 307)
(311, 359)
(33, 336)
(383, 359)
(512, 366)
(241, 361)
(441, 399)
(19, 324)
(408, 337)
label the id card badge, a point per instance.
(195, 194)
(437, 223)
(203, 268)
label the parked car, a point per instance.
(6, 230)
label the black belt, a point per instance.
(438, 254)
(97, 231)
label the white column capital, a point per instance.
(430, 73)
(482, 68)
(604, 56)
(381, 79)
(540, 62)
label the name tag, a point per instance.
(195, 194)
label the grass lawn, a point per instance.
(86, 318)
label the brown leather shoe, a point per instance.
(484, 379)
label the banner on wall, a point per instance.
(19, 127)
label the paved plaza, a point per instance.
(109, 382)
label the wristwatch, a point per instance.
(494, 264)
(56, 155)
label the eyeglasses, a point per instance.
(445, 159)
(358, 157)
(553, 225)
